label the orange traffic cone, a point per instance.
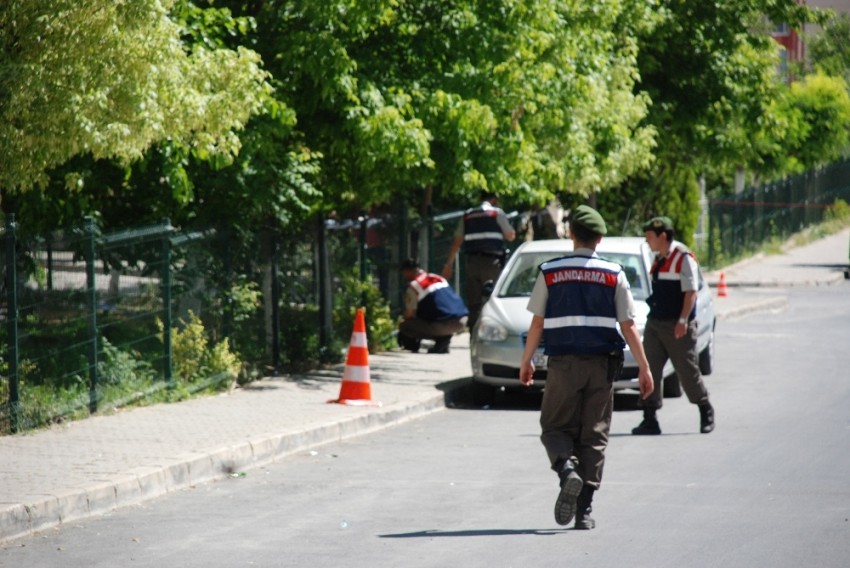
(721, 287)
(356, 386)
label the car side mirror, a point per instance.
(487, 288)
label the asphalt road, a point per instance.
(469, 487)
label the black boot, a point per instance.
(583, 509)
(649, 426)
(441, 344)
(706, 417)
(408, 343)
(571, 484)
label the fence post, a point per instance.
(712, 224)
(166, 308)
(361, 242)
(362, 249)
(275, 251)
(12, 322)
(429, 238)
(91, 288)
(50, 263)
(324, 277)
(403, 253)
(227, 325)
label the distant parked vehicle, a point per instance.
(498, 339)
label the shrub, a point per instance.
(300, 348)
(353, 293)
(117, 367)
(838, 212)
(192, 358)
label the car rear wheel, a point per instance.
(482, 394)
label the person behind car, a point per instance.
(671, 327)
(577, 302)
(432, 310)
(482, 231)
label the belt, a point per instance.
(589, 355)
(485, 253)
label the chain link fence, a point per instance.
(88, 320)
(741, 224)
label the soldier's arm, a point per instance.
(632, 337)
(526, 367)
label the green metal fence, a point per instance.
(740, 224)
(88, 317)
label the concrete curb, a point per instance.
(763, 282)
(142, 484)
(829, 280)
(775, 303)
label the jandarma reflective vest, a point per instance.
(481, 230)
(581, 314)
(667, 297)
(437, 300)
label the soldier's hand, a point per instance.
(645, 383)
(526, 374)
(448, 270)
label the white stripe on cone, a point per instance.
(356, 374)
(358, 339)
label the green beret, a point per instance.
(589, 218)
(658, 224)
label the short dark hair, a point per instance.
(410, 264)
(583, 234)
(487, 195)
(670, 232)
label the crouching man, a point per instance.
(432, 310)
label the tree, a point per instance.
(110, 79)
(829, 49)
(526, 98)
(818, 112)
(709, 69)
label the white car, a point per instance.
(498, 338)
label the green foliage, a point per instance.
(838, 212)
(122, 378)
(300, 349)
(110, 79)
(671, 190)
(195, 361)
(829, 49)
(354, 293)
(253, 117)
(243, 300)
(525, 98)
(835, 218)
(818, 111)
(709, 69)
(120, 367)
(42, 405)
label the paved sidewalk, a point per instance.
(90, 467)
(760, 283)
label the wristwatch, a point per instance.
(683, 321)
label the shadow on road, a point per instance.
(459, 395)
(482, 532)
